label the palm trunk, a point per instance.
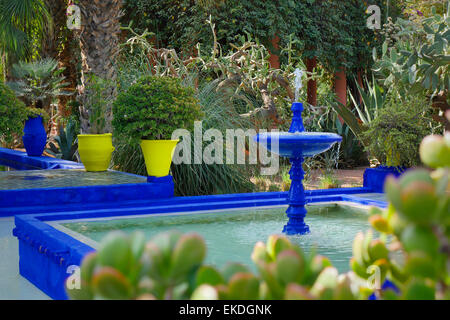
(60, 46)
(99, 42)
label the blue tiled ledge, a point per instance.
(19, 160)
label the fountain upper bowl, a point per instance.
(298, 144)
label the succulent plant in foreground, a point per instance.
(417, 222)
(170, 266)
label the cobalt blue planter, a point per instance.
(387, 285)
(34, 137)
(374, 178)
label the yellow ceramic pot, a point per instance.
(95, 151)
(158, 156)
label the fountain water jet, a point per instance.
(296, 145)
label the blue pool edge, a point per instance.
(46, 253)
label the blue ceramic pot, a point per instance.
(374, 178)
(34, 137)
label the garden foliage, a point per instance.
(13, 114)
(197, 179)
(66, 145)
(96, 101)
(334, 31)
(418, 62)
(394, 135)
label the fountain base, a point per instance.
(291, 230)
(296, 223)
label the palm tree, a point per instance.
(39, 82)
(99, 41)
(20, 22)
(62, 46)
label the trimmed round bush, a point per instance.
(154, 107)
(13, 113)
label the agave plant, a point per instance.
(67, 144)
(39, 82)
(372, 100)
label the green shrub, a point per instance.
(274, 188)
(13, 113)
(153, 108)
(395, 134)
(329, 181)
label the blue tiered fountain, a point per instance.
(296, 145)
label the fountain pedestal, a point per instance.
(296, 199)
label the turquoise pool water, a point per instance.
(231, 235)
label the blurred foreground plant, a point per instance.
(418, 223)
(170, 266)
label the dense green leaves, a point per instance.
(394, 136)
(419, 61)
(334, 31)
(20, 22)
(13, 114)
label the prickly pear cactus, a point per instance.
(413, 251)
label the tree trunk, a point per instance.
(340, 86)
(274, 59)
(312, 84)
(99, 43)
(440, 104)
